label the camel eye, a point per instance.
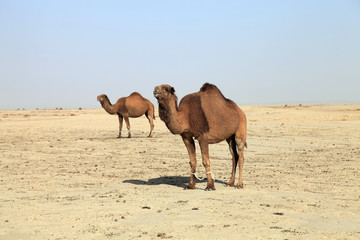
(170, 90)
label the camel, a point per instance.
(132, 106)
(208, 117)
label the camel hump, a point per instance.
(207, 87)
(211, 88)
(135, 94)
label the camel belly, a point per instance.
(135, 115)
(216, 138)
(135, 112)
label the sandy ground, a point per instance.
(65, 175)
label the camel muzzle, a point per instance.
(156, 94)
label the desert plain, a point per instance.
(65, 175)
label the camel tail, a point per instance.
(246, 145)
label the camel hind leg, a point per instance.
(151, 121)
(240, 143)
(240, 139)
(235, 158)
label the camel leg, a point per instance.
(190, 146)
(204, 147)
(120, 124)
(235, 158)
(151, 121)
(240, 144)
(128, 126)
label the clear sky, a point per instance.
(65, 53)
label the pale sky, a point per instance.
(65, 53)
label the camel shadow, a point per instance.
(105, 138)
(176, 181)
(132, 137)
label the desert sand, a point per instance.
(65, 175)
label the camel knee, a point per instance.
(192, 164)
(240, 143)
(206, 164)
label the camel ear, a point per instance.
(169, 89)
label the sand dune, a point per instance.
(65, 175)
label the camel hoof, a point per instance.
(210, 189)
(189, 187)
(229, 185)
(239, 186)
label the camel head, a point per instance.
(163, 92)
(101, 98)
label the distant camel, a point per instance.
(132, 106)
(208, 117)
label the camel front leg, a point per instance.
(128, 126)
(235, 158)
(190, 146)
(204, 147)
(120, 124)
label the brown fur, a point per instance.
(208, 117)
(132, 106)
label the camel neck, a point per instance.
(109, 108)
(170, 114)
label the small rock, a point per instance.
(279, 213)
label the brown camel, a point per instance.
(208, 117)
(132, 106)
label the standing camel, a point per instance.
(208, 117)
(132, 106)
